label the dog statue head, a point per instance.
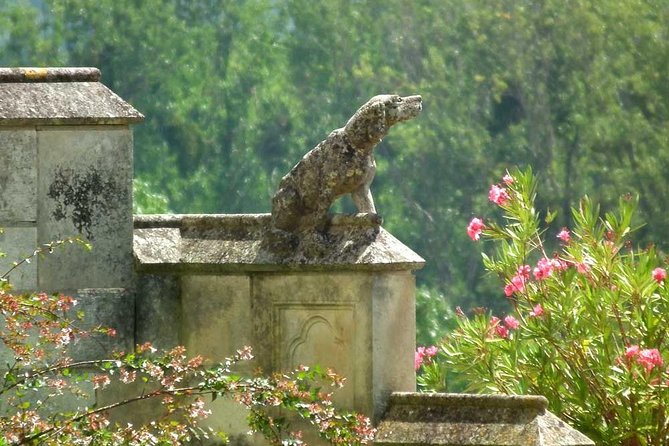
(371, 123)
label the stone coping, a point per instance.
(419, 419)
(455, 400)
(50, 74)
(204, 243)
(60, 96)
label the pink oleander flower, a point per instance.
(511, 322)
(517, 285)
(559, 264)
(459, 312)
(431, 351)
(498, 195)
(537, 311)
(475, 228)
(631, 352)
(417, 359)
(524, 271)
(659, 274)
(544, 269)
(502, 331)
(650, 358)
(508, 179)
(424, 355)
(582, 268)
(564, 235)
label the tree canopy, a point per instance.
(235, 92)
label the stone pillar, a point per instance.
(352, 309)
(66, 156)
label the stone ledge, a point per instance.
(475, 420)
(236, 243)
(51, 74)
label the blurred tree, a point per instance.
(235, 92)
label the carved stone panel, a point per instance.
(317, 319)
(321, 335)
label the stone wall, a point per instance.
(351, 309)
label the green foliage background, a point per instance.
(236, 91)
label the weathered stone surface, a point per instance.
(107, 307)
(19, 243)
(18, 175)
(216, 314)
(85, 187)
(50, 74)
(461, 419)
(393, 317)
(341, 164)
(158, 310)
(60, 96)
(317, 319)
(232, 243)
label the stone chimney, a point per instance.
(66, 156)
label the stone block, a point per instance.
(18, 175)
(393, 318)
(107, 307)
(415, 419)
(85, 188)
(158, 310)
(216, 315)
(17, 244)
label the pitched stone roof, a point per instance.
(47, 96)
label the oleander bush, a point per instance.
(588, 319)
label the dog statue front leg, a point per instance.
(362, 198)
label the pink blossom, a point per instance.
(475, 228)
(544, 269)
(494, 321)
(649, 358)
(245, 353)
(659, 274)
(524, 271)
(559, 264)
(128, 376)
(508, 179)
(502, 331)
(564, 235)
(100, 381)
(459, 312)
(582, 268)
(511, 323)
(517, 285)
(431, 351)
(538, 311)
(418, 358)
(424, 355)
(631, 352)
(197, 410)
(498, 195)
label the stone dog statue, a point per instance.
(341, 164)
